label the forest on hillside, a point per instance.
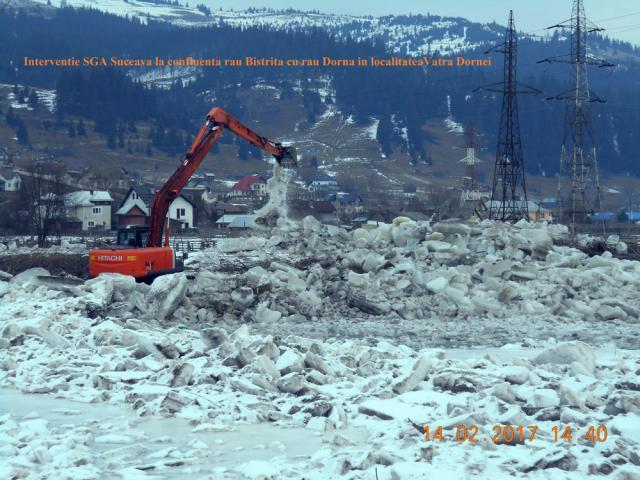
(402, 99)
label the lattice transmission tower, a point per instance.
(470, 160)
(579, 192)
(470, 191)
(509, 192)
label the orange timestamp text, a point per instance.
(513, 434)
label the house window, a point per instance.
(133, 195)
(91, 223)
(97, 210)
(180, 212)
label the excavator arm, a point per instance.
(216, 121)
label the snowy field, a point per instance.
(303, 351)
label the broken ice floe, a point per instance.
(218, 351)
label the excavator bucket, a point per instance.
(289, 159)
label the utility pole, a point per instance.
(579, 190)
(509, 193)
(469, 191)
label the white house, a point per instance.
(136, 207)
(10, 181)
(322, 182)
(91, 207)
(237, 221)
(181, 210)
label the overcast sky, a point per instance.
(530, 15)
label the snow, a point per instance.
(165, 77)
(305, 355)
(371, 131)
(449, 122)
(414, 36)
(48, 98)
(86, 198)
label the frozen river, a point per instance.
(156, 447)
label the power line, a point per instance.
(578, 159)
(617, 17)
(509, 192)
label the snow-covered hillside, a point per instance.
(409, 35)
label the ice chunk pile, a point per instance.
(337, 332)
(217, 379)
(405, 279)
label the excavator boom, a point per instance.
(216, 121)
(150, 258)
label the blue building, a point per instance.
(603, 216)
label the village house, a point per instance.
(251, 186)
(322, 181)
(236, 221)
(198, 186)
(349, 204)
(10, 181)
(323, 187)
(88, 209)
(217, 209)
(136, 206)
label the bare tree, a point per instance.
(43, 194)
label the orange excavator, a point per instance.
(140, 251)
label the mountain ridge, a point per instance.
(408, 34)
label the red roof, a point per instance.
(246, 182)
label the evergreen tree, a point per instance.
(121, 137)
(312, 104)
(111, 140)
(384, 135)
(71, 130)
(59, 116)
(21, 132)
(82, 132)
(173, 142)
(11, 117)
(33, 100)
(243, 150)
(255, 152)
(149, 150)
(286, 90)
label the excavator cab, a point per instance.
(135, 237)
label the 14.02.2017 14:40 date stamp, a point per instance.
(510, 434)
